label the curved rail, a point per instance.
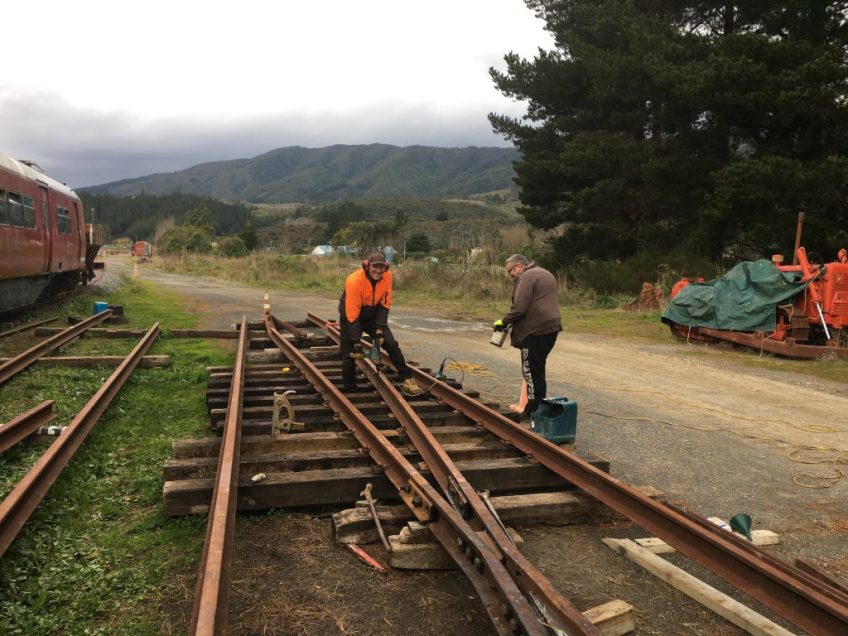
(23, 360)
(507, 607)
(556, 609)
(212, 595)
(798, 597)
(28, 493)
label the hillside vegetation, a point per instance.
(136, 217)
(297, 174)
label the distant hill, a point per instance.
(297, 174)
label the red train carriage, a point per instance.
(45, 245)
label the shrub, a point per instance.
(232, 246)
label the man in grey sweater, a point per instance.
(536, 322)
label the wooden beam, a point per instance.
(26, 327)
(197, 467)
(314, 441)
(98, 332)
(720, 603)
(342, 486)
(161, 361)
(612, 619)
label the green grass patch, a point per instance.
(99, 556)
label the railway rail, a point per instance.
(209, 615)
(20, 362)
(25, 424)
(516, 596)
(24, 498)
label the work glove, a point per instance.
(378, 338)
(356, 354)
(498, 325)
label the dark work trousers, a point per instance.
(389, 344)
(534, 354)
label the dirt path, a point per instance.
(708, 432)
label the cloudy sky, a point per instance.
(96, 91)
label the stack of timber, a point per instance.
(320, 465)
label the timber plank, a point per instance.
(314, 441)
(328, 422)
(197, 467)
(343, 485)
(720, 603)
(158, 361)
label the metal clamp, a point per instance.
(287, 423)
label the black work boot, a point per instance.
(348, 376)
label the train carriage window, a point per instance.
(29, 212)
(4, 209)
(63, 221)
(16, 210)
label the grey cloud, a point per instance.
(83, 147)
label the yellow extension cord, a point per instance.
(795, 454)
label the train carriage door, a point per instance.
(47, 230)
(79, 220)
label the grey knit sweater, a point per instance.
(535, 305)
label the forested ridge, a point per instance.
(334, 173)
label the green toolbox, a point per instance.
(556, 420)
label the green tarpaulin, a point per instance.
(744, 299)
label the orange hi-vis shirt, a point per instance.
(362, 299)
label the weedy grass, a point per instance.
(98, 556)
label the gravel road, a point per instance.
(709, 432)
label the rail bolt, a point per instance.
(416, 500)
(478, 563)
(460, 542)
(513, 626)
(468, 551)
(506, 610)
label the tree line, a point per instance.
(699, 128)
(137, 217)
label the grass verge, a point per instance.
(99, 556)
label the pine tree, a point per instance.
(659, 124)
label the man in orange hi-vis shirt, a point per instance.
(364, 308)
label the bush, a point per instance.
(627, 276)
(185, 238)
(233, 247)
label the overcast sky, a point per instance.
(96, 91)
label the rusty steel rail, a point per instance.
(798, 597)
(23, 360)
(212, 593)
(508, 609)
(25, 424)
(26, 327)
(28, 493)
